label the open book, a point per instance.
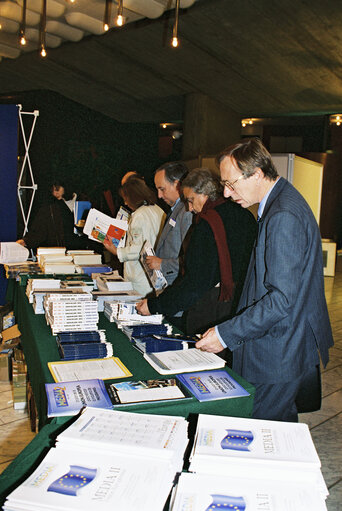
(107, 461)
(98, 225)
(173, 362)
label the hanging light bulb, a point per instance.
(42, 30)
(22, 37)
(175, 41)
(106, 17)
(120, 20)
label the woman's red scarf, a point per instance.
(210, 215)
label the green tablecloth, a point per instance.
(40, 348)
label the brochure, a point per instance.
(211, 385)
(98, 225)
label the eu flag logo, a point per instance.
(227, 502)
(73, 481)
(238, 440)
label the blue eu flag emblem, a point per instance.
(73, 481)
(227, 502)
(237, 440)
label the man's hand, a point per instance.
(209, 342)
(108, 243)
(142, 308)
(21, 242)
(153, 262)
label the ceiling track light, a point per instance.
(106, 17)
(22, 30)
(175, 40)
(42, 31)
(120, 20)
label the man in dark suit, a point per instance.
(167, 181)
(282, 325)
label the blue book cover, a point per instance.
(67, 398)
(211, 385)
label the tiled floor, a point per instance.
(325, 425)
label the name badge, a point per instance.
(172, 222)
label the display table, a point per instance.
(40, 347)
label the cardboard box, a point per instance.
(5, 364)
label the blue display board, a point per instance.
(8, 180)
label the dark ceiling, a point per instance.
(257, 57)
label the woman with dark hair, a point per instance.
(53, 226)
(145, 223)
(216, 258)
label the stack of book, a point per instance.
(265, 457)
(13, 270)
(107, 460)
(125, 314)
(69, 312)
(39, 284)
(113, 282)
(83, 345)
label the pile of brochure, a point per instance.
(83, 345)
(69, 312)
(245, 460)
(107, 460)
(125, 314)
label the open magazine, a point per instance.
(98, 226)
(156, 277)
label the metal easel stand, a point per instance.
(26, 168)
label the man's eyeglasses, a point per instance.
(229, 185)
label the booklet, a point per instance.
(156, 277)
(200, 492)
(102, 368)
(172, 362)
(256, 448)
(12, 252)
(107, 460)
(144, 391)
(98, 225)
(68, 397)
(211, 385)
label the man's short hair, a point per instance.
(250, 154)
(174, 171)
(203, 181)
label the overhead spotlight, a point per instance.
(244, 122)
(175, 40)
(164, 126)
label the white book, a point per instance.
(162, 437)
(50, 250)
(87, 259)
(178, 361)
(255, 448)
(66, 268)
(200, 492)
(71, 480)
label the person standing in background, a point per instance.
(167, 180)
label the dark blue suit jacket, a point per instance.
(283, 320)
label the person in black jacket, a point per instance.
(216, 258)
(53, 226)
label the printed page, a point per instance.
(68, 479)
(198, 492)
(171, 362)
(12, 252)
(102, 368)
(158, 435)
